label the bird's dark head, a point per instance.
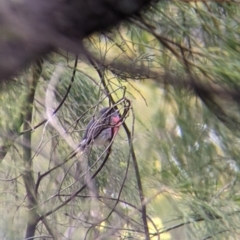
(110, 115)
(107, 111)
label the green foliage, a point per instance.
(184, 126)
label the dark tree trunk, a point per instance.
(30, 29)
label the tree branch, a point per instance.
(27, 152)
(32, 29)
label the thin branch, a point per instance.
(199, 219)
(138, 177)
(62, 101)
(50, 229)
(139, 182)
(80, 190)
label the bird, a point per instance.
(101, 129)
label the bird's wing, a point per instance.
(94, 129)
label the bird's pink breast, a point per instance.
(116, 122)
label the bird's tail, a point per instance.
(82, 145)
(79, 150)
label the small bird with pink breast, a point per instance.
(102, 128)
